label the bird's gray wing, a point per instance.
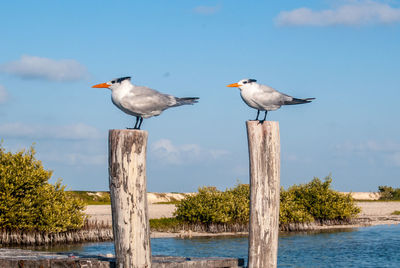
(279, 98)
(267, 96)
(147, 101)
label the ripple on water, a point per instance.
(377, 246)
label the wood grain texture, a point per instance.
(264, 156)
(127, 178)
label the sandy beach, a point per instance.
(102, 213)
(372, 213)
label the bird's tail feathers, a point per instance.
(183, 101)
(298, 101)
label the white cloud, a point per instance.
(207, 10)
(74, 158)
(178, 154)
(386, 152)
(32, 67)
(3, 94)
(69, 132)
(354, 13)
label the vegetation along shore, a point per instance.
(35, 212)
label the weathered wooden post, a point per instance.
(127, 170)
(264, 155)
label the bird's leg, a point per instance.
(137, 120)
(265, 115)
(135, 127)
(140, 122)
(258, 113)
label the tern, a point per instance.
(140, 101)
(263, 97)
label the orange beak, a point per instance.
(233, 85)
(102, 85)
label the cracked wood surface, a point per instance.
(264, 156)
(127, 170)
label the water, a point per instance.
(377, 246)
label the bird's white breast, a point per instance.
(249, 96)
(124, 93)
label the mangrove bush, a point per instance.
(389, 193)
(210, 205)
(314, 201)
(29, 202)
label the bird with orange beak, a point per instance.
(140, 101)
(263, 97)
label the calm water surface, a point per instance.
(377, 246)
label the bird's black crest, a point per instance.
(119, 80)
(252, 80)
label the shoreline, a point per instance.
(315, 228)
(99, 227)
(372, 213)
(101, 233)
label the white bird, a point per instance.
(140, 101)
(263, 97)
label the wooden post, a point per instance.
(264, 155)
(127, 170)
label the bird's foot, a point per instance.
(130, 128)
(260, 122)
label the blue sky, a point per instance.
(344, 53)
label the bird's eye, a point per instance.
(112, 82)
(244, 82)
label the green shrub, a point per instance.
(28, 201)
(300, 203)
(389, 193)
(240, 195)
(316, 200)
(291, 210)
(210, 205)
